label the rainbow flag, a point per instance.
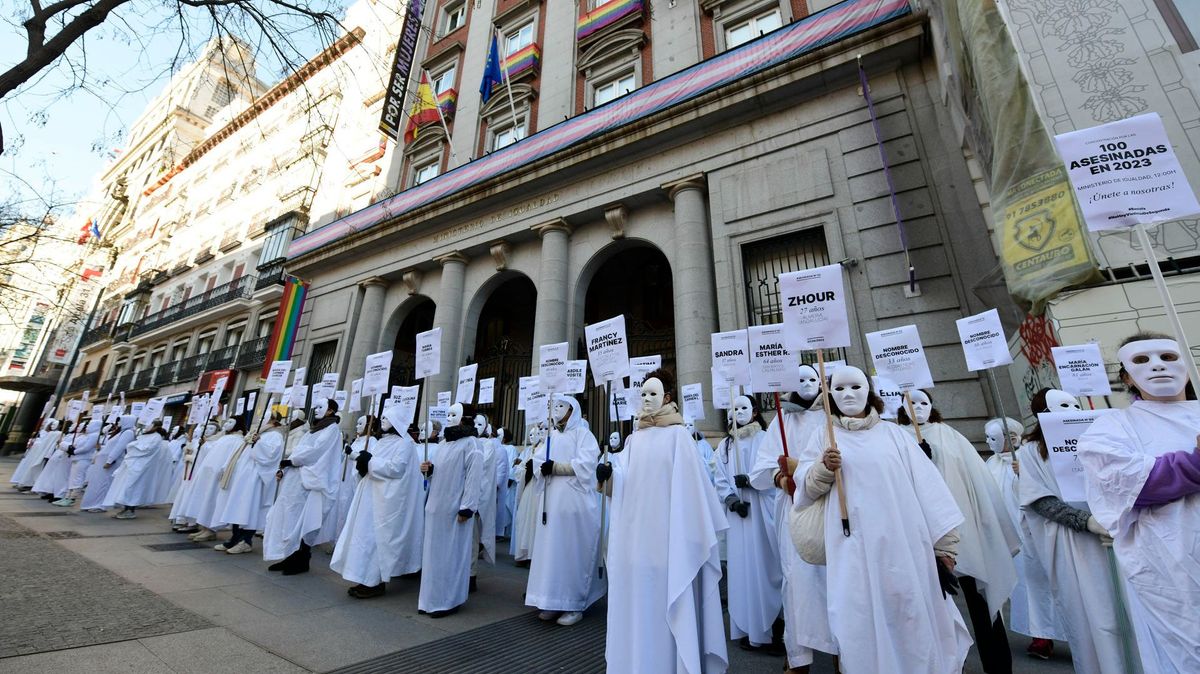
(605, 15)
(287, 322)
(424, 110)
(448, 101)
(521, 60)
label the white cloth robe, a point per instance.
(81, 461)
(348, 478)
(987, 539)
(526, 522)
(1031, 610)
(489, 474)
(175, 480)
(54, 476)
(1159, 547)
(251, 489)
(664, 564)
(709, 457)
(754, 575)
(306, 507)
(805, 618)
(31, 464)
(564, 574)
(504, 459)
(135, 481)
(446, 552)
(886, 608)
(206, 479)
(1076, 565)
(182, 509)
(100, 479)
(385, 526)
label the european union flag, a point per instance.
(492, 75)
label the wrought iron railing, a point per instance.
(107, 387)
(97, 334)
(84, 381)
(165, 374)
(238, 288)
(252, 353)
(221, 358)
(143, 379)
(191, 367)
(122, 383)
(270, 274)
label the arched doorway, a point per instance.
(504, 347)
(636, 282)
(404, 358)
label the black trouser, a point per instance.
(302, 554)
(241, 535)
(990, 636)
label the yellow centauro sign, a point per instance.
(1043, 244)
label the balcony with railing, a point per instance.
(144, 379)
(97, 334)
(107, 387)
(239, 288)
(165, 374)
(87, 380)
(269, 274)
(191, 367)
(222, 358)
(253, 353)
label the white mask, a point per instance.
(810, 383)
(1061, 401)
(560, 410)
(994, 434)
(228, 425)
(849, 389)
(422, 434)
(652, 395)
(385, 425)
(922, 406)
(500, 434)
(614, 440)
(480, 423)
(690, 426)
(210, 430)
(743, 410)
(535, 435)
(54, 424)
(321, 408)
(454, 415)
(1155, 366)
(360, 426)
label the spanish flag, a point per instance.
(424, 110)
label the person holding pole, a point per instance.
(888, 582)
(526, 522)
(1142, 471)
(81, 450)
(203, 433)
(206, 479)
(1069, 542)
(51, 482)
(564, 577)
(248, 485)
(664, 562)
(35, 457)
(364, 427)
(485, 519)
(106, 461)
(135, 482)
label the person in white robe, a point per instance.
(707, 455)
(485, 520)
(81, 450)
(51, 483)
(305, 509)
(1142, 474)
(211, 461)
(753, 572)
(176, 442)
(204, 434)
(1069, 542)
(108, 459)
(988, 540)
(1031, 609)
(385, 527)
(455, 474)
(663, 563)
(564, 578)
(36, 456)
(525, 526)
(889, 580)
(135, 482)
(247, 487)
(349, 476)
(505, 501)
(805, 618)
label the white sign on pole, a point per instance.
(330, 379)
(298, 377)
(339, 399)
(136, 410)
(730, 355)
(1061, 431)
(375, 374)
(618, 407)
(74, 409)
(299, 396)
(525, 386)
(814, 308)
(437, 414)
(219, 389)
(239, 407)
(693, 401)
(552, 366)
(639, 367)
(983, 342)
(576, 376)
(772, 366)
(429, 353)
(443, 399)
(535, 409)
(355, 401)
(166, 421)
(251, 399)
(1081, 369)
(87, 395)
(152, 410)
(1125, 173)
(898, 355)
(464, 392)
(892, 396)
(277, 376)
(323, 391)
(724, 390)
(407, 400)
(487, 390)
(608, 349)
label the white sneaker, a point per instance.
(568, 619)
(125, 515)
(204, 535)
(220, 547)
(94, 510)
(241, 548)
(549, 615)
(64, 502)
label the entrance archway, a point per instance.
(504, 349)
(404, 351)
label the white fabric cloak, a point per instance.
(134, 483)
(446, 552)
(385, 527)
(305, 509)
(251, 488)
(111, 451)
(1077, 569)
(175, 479)
(886, 608)
(488, 476)
(1031, 609)
(85, 451)
(564, 574)
(31, 464)
(988, 541)
(505, 503)
(1158, 547)
(201, 505)
(709, 457)
(664, 565)
(526, 522)
(348, 478)
(805, 617)
(54, 475)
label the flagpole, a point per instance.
(512, 104)
(438, 106)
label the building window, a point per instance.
(741, 31)
(454, 15)
(179, 350)
(265, 325)
(507, 134)
(425, 172)
(224, 94)
(321, 361)
(205, 343)
(443, 79)
(764, 261)
(614, 87)
(518, 38)
(233, 334)
(1183, 20)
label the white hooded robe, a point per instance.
(56, 472)
(85, 450)
(446, 552)
(112, 451)
(528, 509)
(135, 482)
(305, 509)
(31, 464)
(251, 487)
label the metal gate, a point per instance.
(507, 362)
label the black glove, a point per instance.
(742, 508)
(928, 453)
(741, 481)
(71, 450)
(347, 449)
(547, 468)
(466, 513)
(947, 578)
(512, 483)
(603, 471)
(286, 463)
(362, 463)
(528, 471)
(428, 474)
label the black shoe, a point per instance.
(367, 591)
(296, 567)
(473, 585)
(415, 575)
(278, 566)
(443, 614)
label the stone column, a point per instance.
(694, 283)
(550, 317)
(448, 316)
(366, 331)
